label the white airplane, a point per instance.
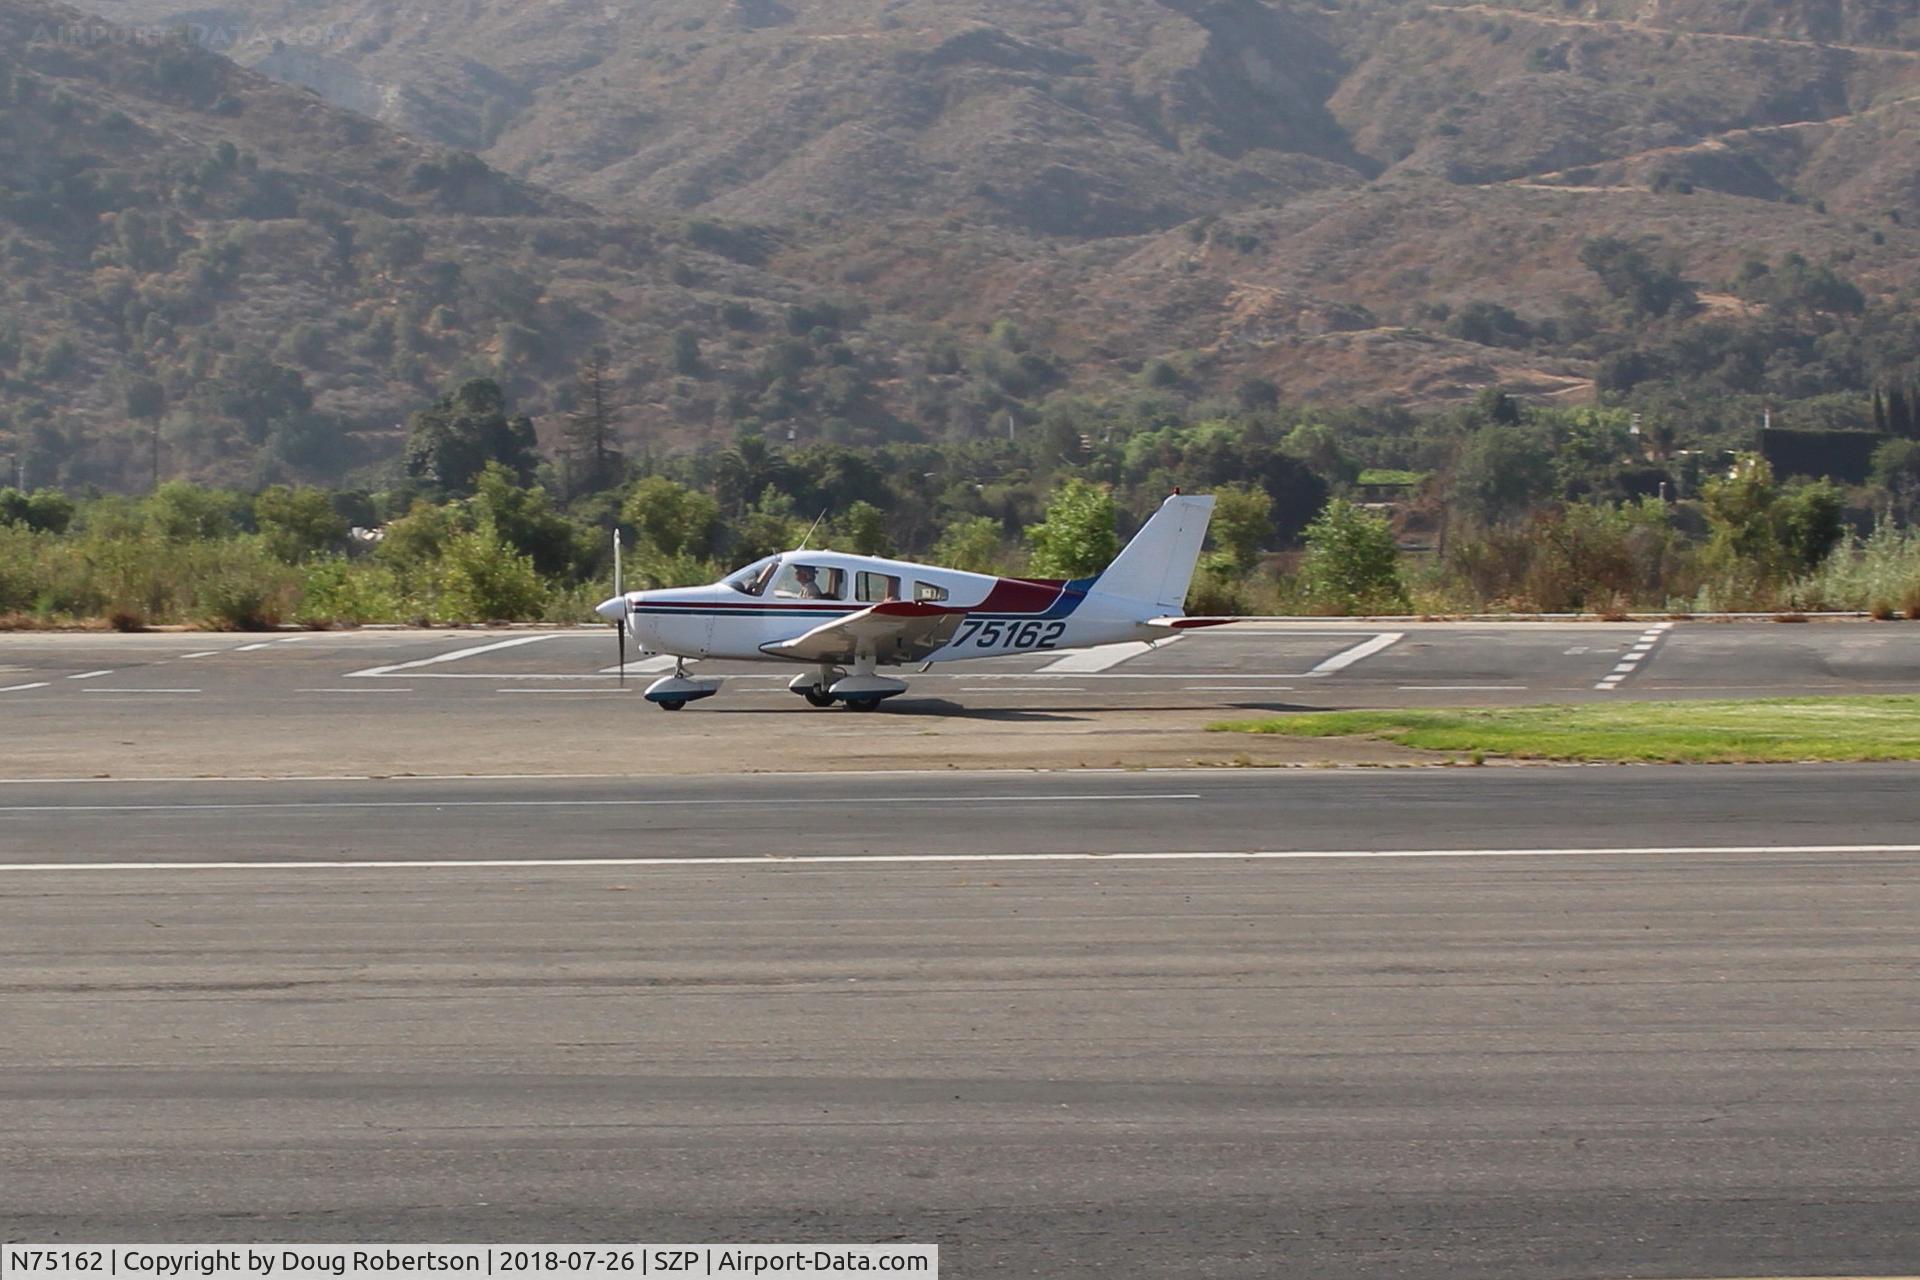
(844, 616)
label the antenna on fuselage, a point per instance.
(810, 531)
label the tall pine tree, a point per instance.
(593, 452)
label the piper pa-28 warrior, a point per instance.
(846, 616)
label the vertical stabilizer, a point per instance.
(1155, 568)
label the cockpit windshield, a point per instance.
(753, 580)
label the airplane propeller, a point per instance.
(620, 623)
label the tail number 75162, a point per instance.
(1008, 633)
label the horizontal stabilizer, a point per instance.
(1184, 623)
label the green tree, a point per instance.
(672, 520)
(974, 544)
(1242, 523)
(1352, 564)
(1502, 471)
(1896, 464)
(1759, 534)
(525, 520)
(685, 352)
(1318, 445)
(253, 391)
(593, 450)
(1077, 538)
(450, 442)
(413, 542)
(297, 524)
(863, 528)
(182, 512)
(43, 510)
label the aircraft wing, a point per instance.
(898, 631)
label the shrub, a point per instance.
(337, 590)
(1352, 564)
(482, 579)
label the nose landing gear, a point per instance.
(670, 693)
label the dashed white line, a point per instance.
(1630, 661)
(114, 693)
(1459, 688)
(593, 693)
(732, 803)
(17, 688)
(361, 689)
(204, 653)
(646, 666)
(88, 675)
(947, 859)
(1239, 688)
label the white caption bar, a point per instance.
(548, 1261)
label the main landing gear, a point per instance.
(861, 691)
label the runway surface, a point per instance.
(1553, 1022)
(388, 702)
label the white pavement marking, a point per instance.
(1630, 661)
(994, 688)
(1098, 658)
(204, 653)
(362, 689)
(939, 859)
(592, 693)
(249, 648)
(1239, 688)
(16, 688)
(88, 675)
(1460, 688)
(1366, 649)
(453, 656)
(114, 693)
(659, 662)
(844, 801)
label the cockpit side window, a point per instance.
(929, 593)
(800, 580)
(753, 580)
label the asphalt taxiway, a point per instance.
(389, 702)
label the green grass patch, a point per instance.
(1763, 730)
(1389, 475)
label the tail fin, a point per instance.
(1155, 568)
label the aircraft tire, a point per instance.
(817, 697)
(671, 704)
(863, 704)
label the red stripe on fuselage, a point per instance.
(1020, 595)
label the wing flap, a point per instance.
(897, 631)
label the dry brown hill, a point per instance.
(1293, 190)
(271, 283)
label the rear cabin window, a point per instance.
(872, 588)
(799, 580)
(929, 593)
